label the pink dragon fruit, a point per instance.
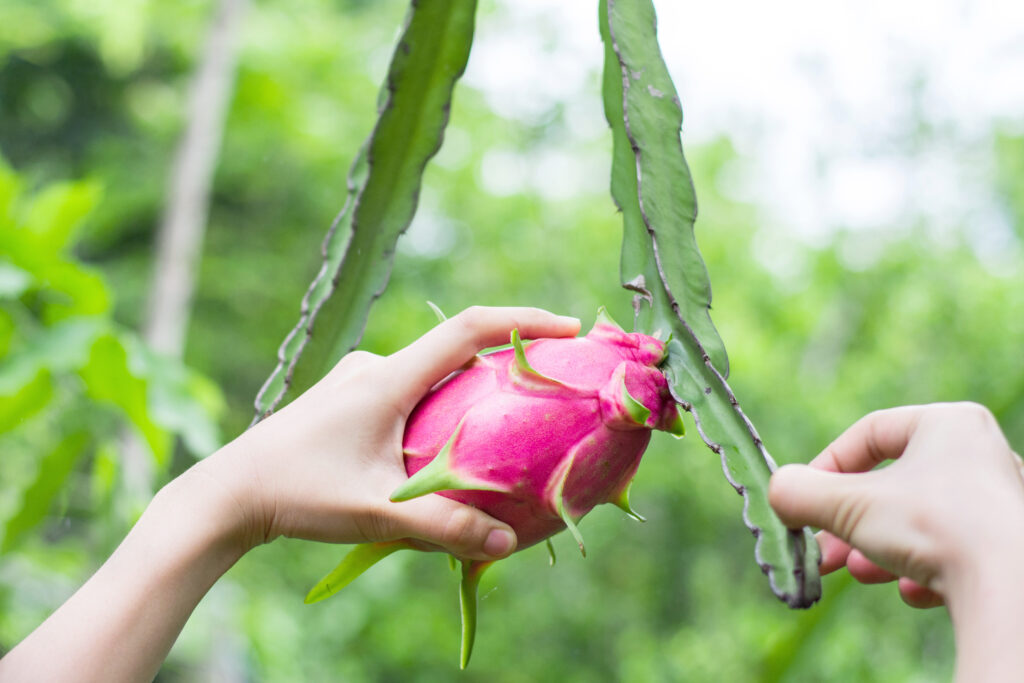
(536, 436)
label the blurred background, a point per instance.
(860, 172)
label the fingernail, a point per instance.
(569, 319)
(499, 543)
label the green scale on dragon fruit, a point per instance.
(535, 435)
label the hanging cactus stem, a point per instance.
(383, 190)
(662, 267)
(551, 553)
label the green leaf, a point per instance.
(13, 281)
(60, 348)
(384, 185)
(37, 499)
(357, 561)
(182, 400)
(58, 211)
(37, 250)
(109, 377)
(10, 190)
(651, 184)
(72, 289)
(26, 401)
(7, 332)
(105, 468)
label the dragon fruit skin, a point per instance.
(536, 436)
(548, 430)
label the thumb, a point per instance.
(803, 495)
(460, 529)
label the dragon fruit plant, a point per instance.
(578, 411)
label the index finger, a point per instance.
(444, 349)
(876, 437)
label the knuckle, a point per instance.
(975, 412)
(834, 459)
(355, 360)
(967, 419)
(473, 321)
(848, 514)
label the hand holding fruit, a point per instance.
(323, 468)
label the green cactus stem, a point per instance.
(383, 190)
(662, 266)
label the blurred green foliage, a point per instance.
(93, 93)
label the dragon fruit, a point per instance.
(535, 435)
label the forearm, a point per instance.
(985, 606)
(120, 625)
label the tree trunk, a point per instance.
(180, 235)
(183, 223)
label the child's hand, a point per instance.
(324, 466)
(946, 512)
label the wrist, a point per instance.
(985, 597)
(221, 486)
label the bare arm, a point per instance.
(946, 518)
(120, 625)
(322, 469)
